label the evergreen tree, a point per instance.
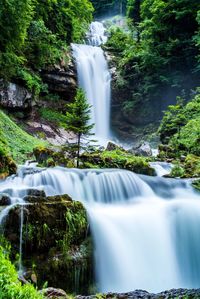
(78, 119)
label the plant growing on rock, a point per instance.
(78, 121)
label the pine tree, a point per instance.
(78, 119)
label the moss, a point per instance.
(7, 165)
(192, 166)
(15, 141)
(117, 159)
(48, 157)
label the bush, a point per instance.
(10, 287)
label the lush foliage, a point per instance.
(14, 140)
(180, 127)
(35, 34)
(53, 116)
(10, 287)
(159, 57)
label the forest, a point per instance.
(99, 149)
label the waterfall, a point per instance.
(95, 79)
(145, 229)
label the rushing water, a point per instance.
(94, 77)
(145, 229)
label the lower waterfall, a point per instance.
(145, 229)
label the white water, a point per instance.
(145, 229)
(94, 78)
(162, 168)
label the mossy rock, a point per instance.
(117, 159)
(54, 240)
(49, 157)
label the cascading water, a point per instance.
(94, 78)
(145, 229)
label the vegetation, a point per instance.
(180, 127)
(10, 287)
(117, 159)
(15, 141)
(156, 59)
(35, 34)
(78, 118)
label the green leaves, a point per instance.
(78, 115)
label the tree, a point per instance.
(78, 119)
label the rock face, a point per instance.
(54, 240)
(61, 79)
(174, 293)
(14, 96)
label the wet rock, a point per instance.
(111, 146)
(14, 96)
(174, 293)
(35, 192)
(54, 293)
(143, 150)
(4, 200)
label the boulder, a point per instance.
(14, 96)
(143, 150)
(111, 146)
(4, 200)
(54, 293)
(35, 192)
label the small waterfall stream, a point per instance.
(94, 78)
(145, 229)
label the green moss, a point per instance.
(192, 166)
(117, 159)
(14, 140)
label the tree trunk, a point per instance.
(78, 150)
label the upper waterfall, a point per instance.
(95, 79)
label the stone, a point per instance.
(35, 192)
(14, 96)
(143, 150)
(4, 200)
(111, 146)
(54, 293)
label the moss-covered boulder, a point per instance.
(117, 159)
(50, 157)
(55, 242)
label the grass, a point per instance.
(53, 116)
(15, 141)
